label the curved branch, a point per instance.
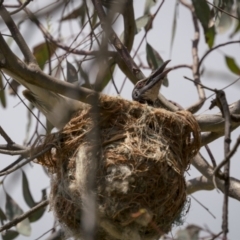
(207, 171)
(212, 49)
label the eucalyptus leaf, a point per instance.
(142, 22)
(2, 216)
(12, 211)
(174, 26)
(24, 227)
(9, 235)
(232, 65)
(72, 74)
(148, 5)
(203, 13)
(39, 213)
(43, 52)
(26, 191)
(2, 93)
(155, 60)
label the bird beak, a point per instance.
(157, 76)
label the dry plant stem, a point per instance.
(16, 220)
(214, 48)
(207, 171)
(17, 36)
(196, 75)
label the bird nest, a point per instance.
(139, 156)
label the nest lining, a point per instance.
(140, 180)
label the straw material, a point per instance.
(143, 154)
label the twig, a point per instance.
(25, 162)
(148, 28)
(206, 169)
(29, 57)
(212, 49)
(5, 136)
(229, 155)
(16, 220)
(211, 155)
(203, 206)
(196, 75)
(22, 6)
(113, 38)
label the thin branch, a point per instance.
(6, 137)
(113, 38)
(196, 75)
(214, 48)
(16, 167)
(203, 206)
(148, 27)
(211, 155)
(229, 155)
(207, 171)
(29, 57)
(22, 6)
(18, 219)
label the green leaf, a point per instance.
(142, 22)
(224, 23)
(43, 52)
(2, 93)
(2, 216)
(233, 67)
(155, 60)
(9, 235)
(153, 57)
(72, 75)
(174, 26)
(38, 214)
(203, 13)
(236, 30)
(107, 77)
(210, 36)
(76, 13)
(26, 191)
(148, 5)
(24, 227)
(29, 199)
(12, 211)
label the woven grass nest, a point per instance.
(140, 184)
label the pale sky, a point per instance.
(14, 120)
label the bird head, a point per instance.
(147, 89)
